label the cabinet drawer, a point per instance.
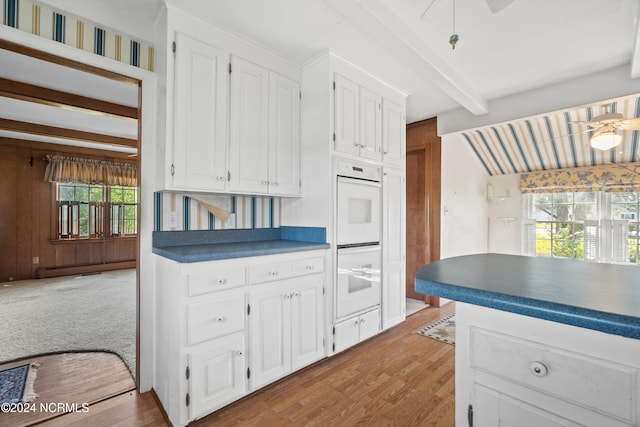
(269, 272)
(203, 283)
(214, 318)
(586, 381)
(307, 266)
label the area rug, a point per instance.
(443, 330)
(16, 384)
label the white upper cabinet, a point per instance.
(249, 130)
(393, 132)
(284, 135)
(200, 145)
(347, 110)
(233, 121)
(357, 119)
(265, 131)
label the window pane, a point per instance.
(96, 194)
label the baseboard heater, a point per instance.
(44, 272)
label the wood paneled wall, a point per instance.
(423, 201)
(26, 222)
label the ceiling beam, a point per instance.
(55, 98)
(635, 57)
(77, 135)
(382, 23)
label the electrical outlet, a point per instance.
(173, 219)
(36, 260)
(231, 221)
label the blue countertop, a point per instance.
(602, 297)
(198, 246)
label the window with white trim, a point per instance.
(87, 211)
(595, 226)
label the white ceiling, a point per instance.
(527, 45)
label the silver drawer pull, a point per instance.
(220, 178)
(296, 294)
(273, 273)
(221, 281)
(287, 296)
(220, 319)
(309, 267)
(538, 369)
(239, 353)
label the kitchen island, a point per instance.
(542, 341)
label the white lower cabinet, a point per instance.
(286, 329)
(226, 328)
(356, 329)
(218, 373)
(516, 370)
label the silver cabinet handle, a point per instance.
(296, 294)
(220, 319)
(538, 369)
(309, 267)
(240, 353)
(287, 296)
(265, 182)
(273, 273)
(221, 281)
(220, 178)
(274, 183)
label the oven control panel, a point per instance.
(353, 169)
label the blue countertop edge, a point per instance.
(212, 245)
(610, 323)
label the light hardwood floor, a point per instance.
(398, 378)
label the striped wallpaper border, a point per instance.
(250, 211)
(32, 18)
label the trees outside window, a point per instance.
(587, 225)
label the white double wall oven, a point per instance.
(358, 224)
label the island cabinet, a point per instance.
(524, 371)
(232, 112)
(228, 327)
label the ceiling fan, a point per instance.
(606, 127)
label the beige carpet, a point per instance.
(73, 313)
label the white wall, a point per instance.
(505, 221)
(463, 227)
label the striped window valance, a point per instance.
(90, 171)
(610, 178)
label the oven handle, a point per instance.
(360, 248)
(358, 181)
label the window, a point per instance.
(595, 226)
(96, 211)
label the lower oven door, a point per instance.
(358, 282)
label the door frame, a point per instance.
(147, 130)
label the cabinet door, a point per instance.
(217, 375)
(369, 324)
(200, 127)
(346, 334)
(307, 329)
(347, 115)
(270, 333)
(393, 244)
(249, 132)
(370, 126)
(284, 136)
(393, 132)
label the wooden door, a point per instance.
(423, 201)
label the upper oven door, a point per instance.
(358, 211)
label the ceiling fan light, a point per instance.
(605, 140)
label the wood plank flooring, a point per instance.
(71, 378)
(398, 378)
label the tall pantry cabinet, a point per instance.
(347, 113)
